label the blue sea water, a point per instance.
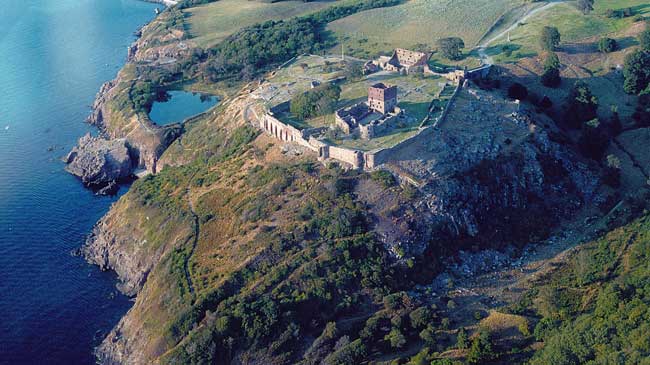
(180, 105)
(54, 56)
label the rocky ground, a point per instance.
(100, 163)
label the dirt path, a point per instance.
(481, 49)
(195, 240)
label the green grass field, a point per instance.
(211, 23)
(419, 22)
(572, 24)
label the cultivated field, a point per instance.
(211, 23)
(419, 22)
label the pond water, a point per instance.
(180, 105)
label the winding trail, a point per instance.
(481, 48)
(195, 240)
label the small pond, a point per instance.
(179, 105)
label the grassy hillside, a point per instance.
(573, 25)
(420, 22)
(211, 23)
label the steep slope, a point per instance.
(235, 241)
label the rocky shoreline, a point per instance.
(128, 139)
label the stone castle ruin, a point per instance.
(373, 117)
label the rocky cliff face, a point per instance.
(99, 162)
(489, 175)
(157, 48)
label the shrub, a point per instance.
(607, 45)
(517, 91)
(318, 101)
(420, 317)
(384, 178)
(549, 38)
(636, 72)
(451, 48)
(581, 105)
(551, 75)
(612, 171)
(395, 338)
(644, 40)
(481, 349)
(585, 6)
(461, 339)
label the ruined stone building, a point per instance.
(403, 61)
(373, 117)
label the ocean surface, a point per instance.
(180, 105)
(54, 56)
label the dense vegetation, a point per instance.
(451, 48)
(253, 49)
(597, 310)
(319, 101)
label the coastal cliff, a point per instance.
(178, 239)
(157, 49)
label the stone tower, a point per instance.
(381, 98)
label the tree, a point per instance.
(585, 6)
(318, 101)
(549, 38)
(451, 48)
(581, 105)
(420, 317)
(481, 348)
(517, 91)
(551, 75)
(636, 72)
(428, 335)
(461, 339)
(607, 45)
(612, 171)
(644, 39)
(642, 113)
(615, 126)
(594, 139)
(395, 338)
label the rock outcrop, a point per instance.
(99, 162)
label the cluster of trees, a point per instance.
(451, 48)
(320, 100)
(615, 327)
(253, 49)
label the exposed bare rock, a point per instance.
(98, 161)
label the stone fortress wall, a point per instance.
(358, 159)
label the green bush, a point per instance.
(607, 45)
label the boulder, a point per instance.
(99, 162)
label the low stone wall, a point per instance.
(349, 156)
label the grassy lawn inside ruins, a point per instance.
(415, 96)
